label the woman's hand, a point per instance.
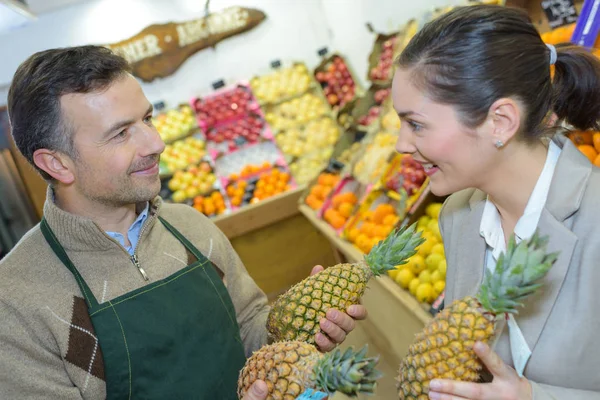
(337, 324)
(506, 385)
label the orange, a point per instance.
(361, 240)
(346, 209)
(596, 140)
(322, 180)
(316, 191)
(352, 235)
(581, 137)
(382, 211)
(284, 177)
(350, 197)
(390, 220)
(338, 222)
(588, 151)
(597, 161)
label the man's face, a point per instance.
(117, 147)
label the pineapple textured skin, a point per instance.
(286, 367)
(444, 349)
(296, 314)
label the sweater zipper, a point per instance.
(134, 257)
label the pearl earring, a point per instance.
(499, 144)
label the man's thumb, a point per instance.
(258, 391)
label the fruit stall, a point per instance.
(298, 168)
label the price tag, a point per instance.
(438, 304)
(218, 84)
(322, 52)
(158, 106)
(310, 394)
(588, 24)
(559, 12)
(275, 64)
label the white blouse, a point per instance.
(491, 230)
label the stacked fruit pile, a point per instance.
(373, 226)
(425, 273)
(307, 167)
(322, 189)
(175, 124)
(297, 112)
(250, 191)
(382, 71)
(210, 205)
(281, 84)
(231, 136)
(406, 174)
(196, 180)
(337, 83)
(224, 106)
(374, 158)
(181, 154)
(588, 143)
(341, 209)
(373, 114)
(317, 134)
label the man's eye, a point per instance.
(121, 134)
(148, 120)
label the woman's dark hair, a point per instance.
(34, 96)
(475, 55)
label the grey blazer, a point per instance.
(561, 323)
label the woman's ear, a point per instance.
(505, 115)
(55, 164)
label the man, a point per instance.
(116, 294)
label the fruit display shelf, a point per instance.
(297, 112)
(381, 59)
(224, 105)
(175, 124)
(181, 154)
(339, 84)
(237, 134)
(283, 84)
(363, 112)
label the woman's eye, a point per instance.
(414, 126)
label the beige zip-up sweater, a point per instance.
(47, 342)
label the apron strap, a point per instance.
(62, 255)
(188, 245)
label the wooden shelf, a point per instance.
(352, 254)
(264, 213)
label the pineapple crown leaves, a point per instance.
(516, 274)
(349, 372)
(394, 250)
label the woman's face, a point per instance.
(454, 156)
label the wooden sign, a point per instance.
(159, 50)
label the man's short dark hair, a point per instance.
(34, 97)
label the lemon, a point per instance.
(432, 261)
(425, 248)
(424, 293)
(404, 278)
(439, 287)
(423, 221)
(416, 264)
(434, 228)
(412, 286)
(438, 248)
(433, 210)
(436, 276)
(442, 268)
(425, 277)
(393, 273)
(430, 236)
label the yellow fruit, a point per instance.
(417, 264)
(432, 225)
(425, 249)
(424, 293)
(413, 285)
(393, 273)
(430, 236)
(438, 287)
(438, 248)
(432, 261)
(425, 277)
(433, 210)
(436, 276)
(423, 221)
(405, 277)
(442, 268)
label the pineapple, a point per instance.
(296, 314)
(444, 349)
(290, 368)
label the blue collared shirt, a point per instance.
(133, 234)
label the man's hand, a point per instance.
(258, 391)
(337, 324)
(505, 385)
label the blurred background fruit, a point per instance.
(175, 124)
(281, 84)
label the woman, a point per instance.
(475, 94)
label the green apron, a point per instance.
(176, 338)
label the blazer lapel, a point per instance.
(471, 253)
(564, 199)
